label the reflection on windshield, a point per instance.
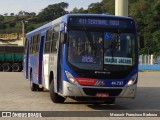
(101, 50)
(86, 50)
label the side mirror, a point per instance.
(63, 37)
(141, 41)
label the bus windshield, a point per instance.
(104, 51)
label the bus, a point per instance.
(84, 57)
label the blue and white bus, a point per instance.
(84, 56)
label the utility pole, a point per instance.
(23, 31)
(121, 7)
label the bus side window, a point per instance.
(26, 41)
(38, 42)
(55, 39)
(52, 42)
(31, 44)
(48, 41)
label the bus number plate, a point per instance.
(102, 95)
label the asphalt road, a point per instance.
(15, 95)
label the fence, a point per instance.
(146, 60)
(149, 62)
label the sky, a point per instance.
(14, 6)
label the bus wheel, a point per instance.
(110, 101)
(54, 96)
(16, 67)
(33, 86)
(6, 67)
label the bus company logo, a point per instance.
(102, 72)
(6, 114)
(100, 83)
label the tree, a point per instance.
(75, 10)
(26, 13)
(108, 6)
(156, 39)
(96, 8)
(12, 24)
(5, 14)
(157, 8)
(81, 10)
(32, 14)
(20, 13)
(30, 27)
(63, 5)
(53, 11)
(1, 18)
(23, 13)
(2, 26)
(144, 12)
(12, 14)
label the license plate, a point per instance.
(102, 95)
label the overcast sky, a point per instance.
(14, 6)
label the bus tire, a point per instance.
(16, 67)
(33, 86)
(54, 96)
(110, 101)
(6, 67)
(21, 68)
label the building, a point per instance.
(11, 39)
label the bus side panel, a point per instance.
(34, 65)
(56, 63)
(46, 71)
(24, 66)
(49, 65)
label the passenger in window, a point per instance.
(73, 47)
(99, 50)
(72, 50)
(81, 46)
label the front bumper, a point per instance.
(71, 90)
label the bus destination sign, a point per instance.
(100, 22)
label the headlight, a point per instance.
(132, 80)
(70, 77)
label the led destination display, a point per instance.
(100, 22)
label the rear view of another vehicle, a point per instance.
(11, 58)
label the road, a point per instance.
(15, 95)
